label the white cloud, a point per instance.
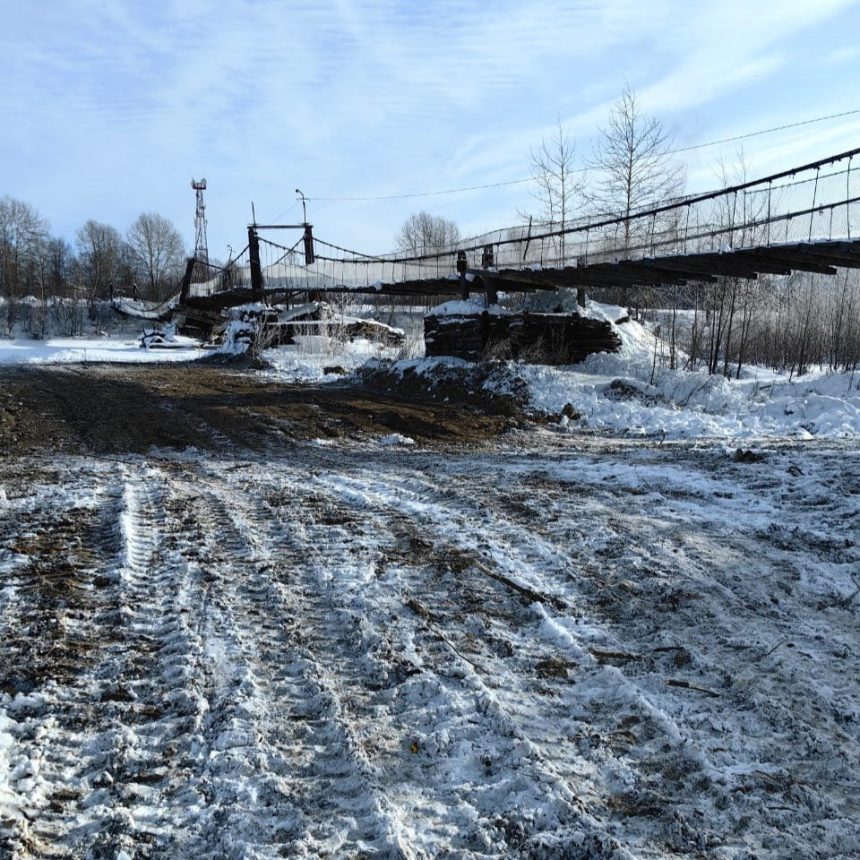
(115, 104)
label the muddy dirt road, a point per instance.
(544, 647)
(120, 408)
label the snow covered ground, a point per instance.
(628, 392)
(656, 401)
(65, 350)
(321, 359)
(556, 647)
(306, 361)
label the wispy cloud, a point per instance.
(109, 107)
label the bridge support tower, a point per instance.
(257, 293)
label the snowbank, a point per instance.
(625, 393)
(316, 358)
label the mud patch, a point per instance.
(115, 409)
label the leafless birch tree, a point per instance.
(634, 166)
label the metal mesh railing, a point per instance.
(813, 202)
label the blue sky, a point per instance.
(110, 107)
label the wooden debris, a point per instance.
(529, 594)
(689, 685)
(622, 656)
(543, 338)
(418, 609)
(748, 456)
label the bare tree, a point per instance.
(60, 264)
(559, 184)
(157, 252)
(732, 301)
(634, 165)
(23, 234)
(100, 257)
(423, 233)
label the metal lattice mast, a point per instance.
(201, 244)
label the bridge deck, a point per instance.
(824, 257)
(820, 257)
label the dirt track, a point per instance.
(119, 408)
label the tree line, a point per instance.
(101, 263)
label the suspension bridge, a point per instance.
(803, 219)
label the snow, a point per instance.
(667, 403)
(420, 366)
(62, 350)
(308, 358)
(9, 807)
(395, 439)
(466, 307)
(238, 311)
(237, 335)
(330, 652)
(144, 310)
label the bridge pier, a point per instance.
(185, 287)
(462, 266)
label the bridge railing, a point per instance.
(813, 202)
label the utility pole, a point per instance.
(304, 206)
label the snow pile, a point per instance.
(626, 392)
(165, 338)
(317, 358)
(395, 439)
(237, 337)
(608, 313)
(419, 366)
(466, 308)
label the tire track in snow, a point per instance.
(696, 771)
(53, 641)
(144, 763)
(464, 517)
(299, 657)
(475, 740)
(328, 799)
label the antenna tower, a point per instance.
(201, 245)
